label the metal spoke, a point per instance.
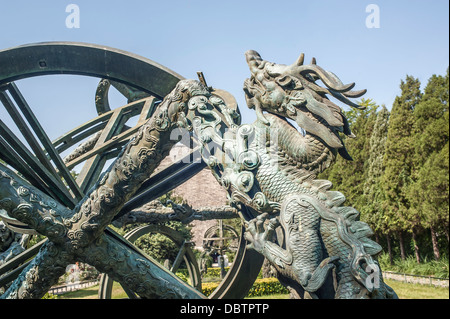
(112, 135)
(25, 130)
(68, 140)
(129, 292)
(129, 92)
(18, 156)
(113, 132)
(6, 275)
(86, 177)
(164, 181)
(40, 133)
(81, 132)
(179, 258)
(147, 111)
(9, 155)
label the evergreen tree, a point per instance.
(398, 161)
(348, 176)
(428, 194)
(373, 196)
(399, 176)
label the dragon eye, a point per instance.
(284, 81)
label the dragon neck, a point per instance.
(305, 153)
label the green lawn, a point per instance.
(88, 293)
(404, 291)
(92, 293)
(413, 291)
(275, 296)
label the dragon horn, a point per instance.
(350, 94)
(326, 78)
(355, 94)
(300, 60)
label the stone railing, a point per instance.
(62, 289)
(416, 279)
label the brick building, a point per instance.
(202, 190)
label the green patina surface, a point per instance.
(319, 247)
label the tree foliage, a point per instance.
(399, 176)
(157, 245)
(398, 160)
(349, 175)
(372, 210)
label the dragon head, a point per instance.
(292, 91)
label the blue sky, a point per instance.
(211, 36)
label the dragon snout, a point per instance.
(252, 55)
(254, 61)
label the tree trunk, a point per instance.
(446, 233)
(391, 258)
(416, 247)
(377, 238)
(436, 252)
(402, 245)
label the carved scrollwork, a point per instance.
(249, 160)
(260, 202)
(245, 181)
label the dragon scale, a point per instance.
(276, 181)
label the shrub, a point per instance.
(436, 268)
(267, 286)
(215, 272)
(261, 287)
(209, 287)
(49, 296)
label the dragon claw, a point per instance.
(312, 282)
(182, 212)
(257, 234)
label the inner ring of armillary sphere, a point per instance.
(144, 83)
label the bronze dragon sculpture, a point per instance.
(271, 167)
(319, 248)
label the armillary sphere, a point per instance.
(39, 161)
(220, 238)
